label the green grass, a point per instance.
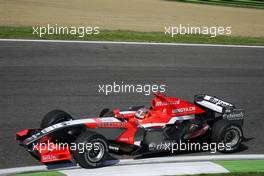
(106, 35)
(48, 173)
(235, 174)
(235, 3)
(243, 165)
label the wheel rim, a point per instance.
(96, 153)
(232, 137)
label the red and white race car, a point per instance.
(134, 131)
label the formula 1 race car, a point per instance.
(134, 131)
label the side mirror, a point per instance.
(103, 112)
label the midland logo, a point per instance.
(218, 102)
(48, 158)
(237, 116)
(186, 109)
(115, 148)
(152, 146)
(160, 103)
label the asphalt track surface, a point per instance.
(38, 77)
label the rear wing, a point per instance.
(212, 103)
(226, 109)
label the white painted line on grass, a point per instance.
(151, 169)
(129, 43)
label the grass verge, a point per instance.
(106, 35)
(235, 174)
(243, 165)
(259, 4)
(48, 173)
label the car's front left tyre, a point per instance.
(91, 150)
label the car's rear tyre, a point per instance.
(53, 117)
(228, 134)
(95, 151)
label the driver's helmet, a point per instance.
(141, 113)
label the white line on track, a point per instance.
(22, 169)
(129, 43)
(147, 161)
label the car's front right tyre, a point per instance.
(54, 117)
(91, 150)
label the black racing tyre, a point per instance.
(94, 152)
(53, 117)
(229, 134)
